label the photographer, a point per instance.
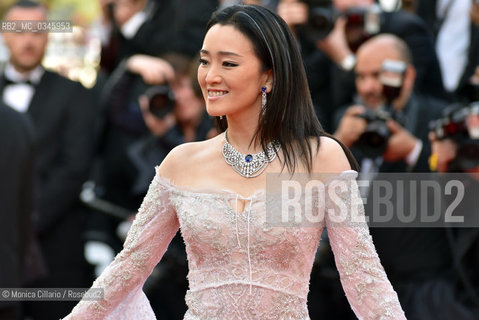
(337, 28)
(417, 259)
(455, 140)
(406, 148)
(124, 125)
(114, 174)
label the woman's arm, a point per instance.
(364, 280)
(155, 225)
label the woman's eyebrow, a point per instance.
(222, 53)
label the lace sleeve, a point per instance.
(363, 278)
(155, 225)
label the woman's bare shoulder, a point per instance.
(186, 157)
(330, 157)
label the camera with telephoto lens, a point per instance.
(161, 100)
(373, 141)
(323, 15)
(460, 123)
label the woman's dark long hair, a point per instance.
(289, 117)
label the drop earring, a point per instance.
(221, 117)
(263, 99)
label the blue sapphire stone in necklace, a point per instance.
(249, 165)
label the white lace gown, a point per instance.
(240, 266)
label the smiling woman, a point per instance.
(242, 263)
(230, 74)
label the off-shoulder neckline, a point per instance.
(209, 191)
(217, 192)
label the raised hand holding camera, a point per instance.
(158, 126)
(351, 125)
(157, 102)
(335, 45)
(400, 144)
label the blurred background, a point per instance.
(75, 55)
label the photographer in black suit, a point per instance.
(417, 259)
(337, 28)
(65, 121)
(16, 200)
(407, 149)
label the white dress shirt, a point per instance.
(452, 43)
(18, 96)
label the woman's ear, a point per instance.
(269, 81)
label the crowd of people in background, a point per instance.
(415, 65)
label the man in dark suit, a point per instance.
(418, 260)
(462, 36)
(16, 199)
(65, 123)
(330, 69)
(408, 148)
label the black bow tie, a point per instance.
(8, 82)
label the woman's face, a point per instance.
(230, 74)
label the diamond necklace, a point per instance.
(249, 165)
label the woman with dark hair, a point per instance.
(243, 263)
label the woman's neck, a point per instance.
(240, 138)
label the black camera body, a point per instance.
(373, 141)
(453, 125)
(321, 19)
(161, 100)
(323, 15)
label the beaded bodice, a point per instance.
(238, 262)
(240, 265)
